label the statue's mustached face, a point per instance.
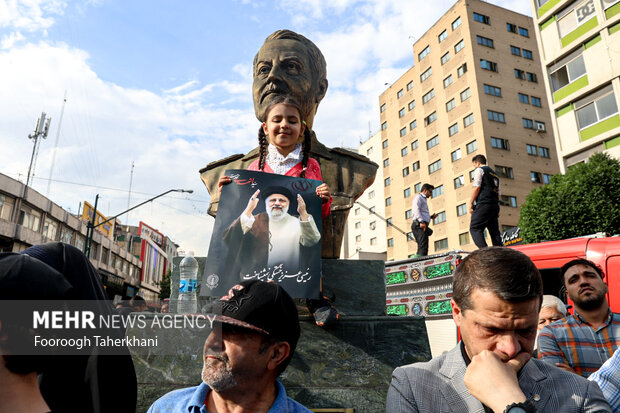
(283, 68)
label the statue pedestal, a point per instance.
(348, 365)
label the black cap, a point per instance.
(265, 193)
(25, 278)
(263, 307)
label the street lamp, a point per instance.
(90, 226)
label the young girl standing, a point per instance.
(284, 148)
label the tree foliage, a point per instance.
(584, 201)
(164, 285)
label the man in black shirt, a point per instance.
(484, 204)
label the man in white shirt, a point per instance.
(422, 218)
(272, 239)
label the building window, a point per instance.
(428, 96)
(519, 74)
(6, 207)
(384, 125)
(399, 94)
(499, 143)
(447, 81)
(411, 105)
(403, 132)
(536, 177)
(430, 119)
(435, 166)
(496, 116)
(575, 15)
(464, 238)
(456, 155)
(386, 181)
(471, 147)
(531, 149)
(481, 18)
(426, 74)
(401, 112)
(445, 58)
(524, 32)
(450, 105)
(511, 27)
(524, 98)
(441, 244)
(414, 145)
(527, 123)
(434, 141)
(593, 110)
(531, 77)
(438, 191)
(418, 187)
(357, 211)
(543, 152)
(515, 50)
(29, 218)
(465, 95)
(424, 53)
(386, 162)
(488, 65)
(504, 171)
(388, 201)
(459, 182)
(369, 151)
(382, 108)
(535, 101)
(441, 217)
(507, 200)
(390, 242)
(408, 214)
(373, 241)
(454, 129)
(456, 23)
(471, 175)
(410, 236)
(568, 73)
(416, 165)
(442, 36)
(371, 194)
(461, 210)
(468, 120)
(358, 238)
(385, 144)
(407, 193)
(546, 178)
(66, 236)
(409, 86)
(459, 46)
(461, 70)
(404, 151)
(50, 227)
(528, 54)
(485, 41)
(358, 225)
(492, 90)
(405, 171)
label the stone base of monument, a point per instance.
(347, 365)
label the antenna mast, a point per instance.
(40, 131)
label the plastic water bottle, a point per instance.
(188, 269)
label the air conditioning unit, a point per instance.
(540, 127)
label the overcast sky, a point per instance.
(166, 84)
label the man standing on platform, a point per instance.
(422, 219)
(484, 204)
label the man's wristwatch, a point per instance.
(523, 407)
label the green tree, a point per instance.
(584, 201)
(164, 285)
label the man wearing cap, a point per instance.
(255, 333)
(272, 238)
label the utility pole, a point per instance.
(40, 131)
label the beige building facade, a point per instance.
(365, 230)
(475, 88)
(579, 44)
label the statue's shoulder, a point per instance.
(230, 159)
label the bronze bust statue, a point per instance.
(290, 64)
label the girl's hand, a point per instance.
(322, 191)
(224, 180)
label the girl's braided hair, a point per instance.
(263, 143)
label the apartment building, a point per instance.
(475, 88)
(364, 236)
(579, 43)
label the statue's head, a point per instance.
(289, 64)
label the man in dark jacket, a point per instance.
(484, 204)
